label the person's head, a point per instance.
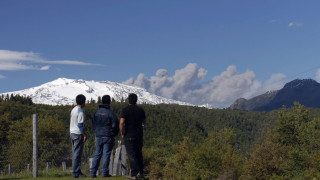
(106, 99)
(133, 98)
(81, 100)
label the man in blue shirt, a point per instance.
(106, 126)
(78, 135)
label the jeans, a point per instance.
(77, 148)
(104, 147)
(134, 151)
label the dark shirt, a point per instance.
(105, 123)
(134, 117)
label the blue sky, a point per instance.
(262, 43)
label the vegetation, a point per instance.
(179, 141)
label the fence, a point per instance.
(44, 154)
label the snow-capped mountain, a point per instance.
(63, 91)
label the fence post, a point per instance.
(124, 170)
(115, 169)
(9, 169)
(64, 166)
(28, 167)
(48, 166)
(35, 145)
(111, 164)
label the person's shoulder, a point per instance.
(127, 107)
(75, 109)
(80, 110)
(139, 107)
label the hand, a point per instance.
(84, 137)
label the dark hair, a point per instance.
(80, 99)
(132, 98)
(106, 99)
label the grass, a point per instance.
(52, 174)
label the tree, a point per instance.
(99, 100)
(52, 146)
(267, 159)
(291, 151)
(4, 128)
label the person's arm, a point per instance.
(93, 121)
(121, 126)
(81, 126)
(144, 121)
(84, 136)
(115, 124)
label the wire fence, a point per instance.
(53, 151)
(17, 158)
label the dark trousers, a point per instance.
(134, 151)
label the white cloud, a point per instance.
(273, 21)
(44, 68)
(296, 24)
(220, 91)
(2, 77)
(14, 66)
(318, 76)
(276, 81)
(17, 60)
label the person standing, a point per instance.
(132, 119)
(106, 126)
(78, 135)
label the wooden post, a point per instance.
(124, 170)
(9, 169)
(90, 163)
(111, 163)
(48, 166)
(28, 167)
(64, 166)
(35, 145)
(117, 162)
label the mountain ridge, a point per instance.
(304, 91)
(63, 91)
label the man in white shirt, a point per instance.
(78, 135)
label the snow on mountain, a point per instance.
(63, 91)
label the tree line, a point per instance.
(179, 141)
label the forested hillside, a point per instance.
(179, 141)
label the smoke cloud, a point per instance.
(318, 76)
(187, 85)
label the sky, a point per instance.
(198, 51)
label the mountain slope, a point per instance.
(306, 92)
(63, 91)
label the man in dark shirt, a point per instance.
(106, 126)
(132, 119)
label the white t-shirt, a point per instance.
(76, 120)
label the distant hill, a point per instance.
(305, 91)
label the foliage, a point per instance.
(213, 157)
(291, 151)
(179, 141)
(52, 147)
(16, 98)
